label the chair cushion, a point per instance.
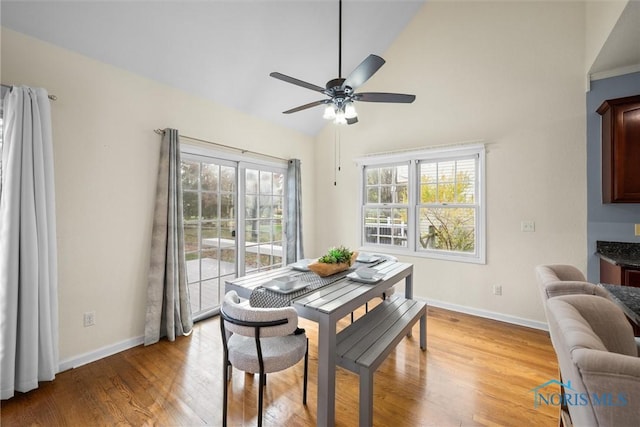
(233, 307)
(278, 353)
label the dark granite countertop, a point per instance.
(619, 253)
(628, 298)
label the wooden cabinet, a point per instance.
(621, 150)
(618, 275)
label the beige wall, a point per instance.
(511, 74)
(106, 157)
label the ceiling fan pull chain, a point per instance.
(336, 165)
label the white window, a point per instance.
(427, 203)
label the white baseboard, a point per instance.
(92, 356)
(487, 314)
(109, 350)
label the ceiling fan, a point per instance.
(341, 91)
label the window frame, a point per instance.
(414, 158)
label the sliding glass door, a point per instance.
(233, 223)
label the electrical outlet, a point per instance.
(637, 229)
(89, 318)
(497, 289)
(527, 226)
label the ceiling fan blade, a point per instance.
(305, 106)
(384, 97)
(297, 82)
(363, 72)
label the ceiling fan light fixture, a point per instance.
(329, 112)
(350, 111)
(342, 91)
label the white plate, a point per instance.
(368, 258)
(376, 278)
(276, 287)
(302, 265)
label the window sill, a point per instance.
(470, 259)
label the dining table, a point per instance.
(325, 300)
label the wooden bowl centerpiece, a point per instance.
(334, 261)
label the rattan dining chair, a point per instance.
(260, 341)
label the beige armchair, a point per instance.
(598, 360)
(559, 279)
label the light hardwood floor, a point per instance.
(475, 372)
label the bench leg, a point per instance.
(423, 331)
(366, 398)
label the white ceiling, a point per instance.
(223, 50)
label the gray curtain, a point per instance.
(28, 254)
(294, 212)
(168, 308)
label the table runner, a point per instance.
(263, 297)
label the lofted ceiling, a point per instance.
(622, 48)
(223, 50)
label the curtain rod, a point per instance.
(242, 150)
(51, 97)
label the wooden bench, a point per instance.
(362, 346)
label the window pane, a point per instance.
(386, 175)
(373, 176)
(227, 206)
(190, 237)
(209, 233)
(190, 205)
(465, 181)
(372, 195)
(251, 207)
(386, 226)
(400, 194)
(385, 195)
(209, 263)
(265, 231)
(209, 206)
(251, 231)
(448, 182)
(190, 172)
(278, 184)
(209, 179)
(265, 207)
(266, 180)
(227, 179)
(278, 207)
(447, 229)
(251, 184)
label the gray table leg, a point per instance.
(423, 332)
(408, 292)
(366, 397)
(326, 371)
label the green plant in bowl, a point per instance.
(337, 256)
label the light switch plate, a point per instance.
(637, 229)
